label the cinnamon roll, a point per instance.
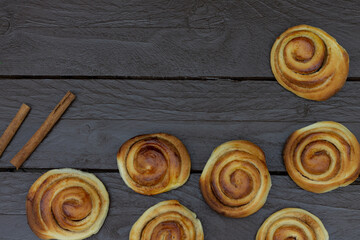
(235, 181)
(309, 62)
(322, 157)
(154, 163)
(292, 223)
(167, 220)
(66, 204)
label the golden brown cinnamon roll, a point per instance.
(235, 181)
(309, 62)
(292, 223)
(322, 157)
(154, 163)
(167, 220)
(66, 204)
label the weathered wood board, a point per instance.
(161, 38)
(338, 209)
(203, 114)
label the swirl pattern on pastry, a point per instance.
(235, 181)
(292, 223)
(154, 163)
(66, 204)
(167, 220)
(309, 62)
(322, 157)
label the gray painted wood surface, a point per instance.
(203, 114)
(339, 209)
(161, 38)
(104, 116)
(196, 69)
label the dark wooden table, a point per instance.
(196, 69)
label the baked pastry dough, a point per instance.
(292, 223)
(66, 204)
(309, 62)
(154, 163)
(322, 156)
(235, 181)
(167, 220)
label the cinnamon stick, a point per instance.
(44, 129)
(13, 127)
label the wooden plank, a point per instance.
(108, 112)
(93, 144)
(337, 209)
(164, 38)
(166, 100)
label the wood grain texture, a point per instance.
(126, 206)
(161, 38)
(109, 112)
(169, 100)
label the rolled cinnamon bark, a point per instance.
(44, 129)
(13, 127)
